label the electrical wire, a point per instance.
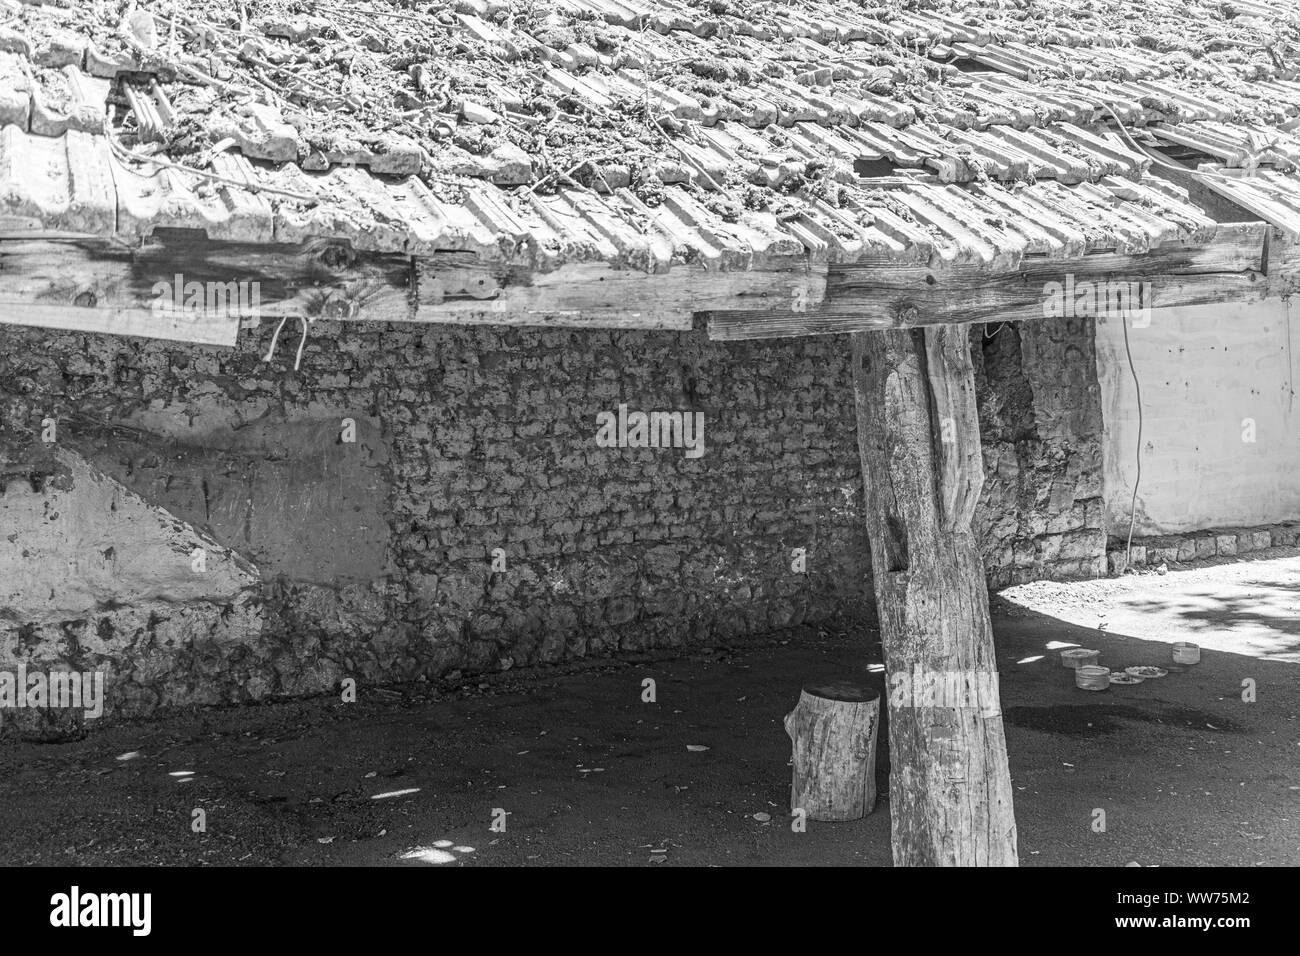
(275, 338)
(1200, 174)
(1137, 481)
(126, 156)
(1290, 363)
(306, 324)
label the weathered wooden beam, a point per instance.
(950, 787)
(1283, 258)
(181, 285)
(96, 285)
(87, 285)
(460, 288)
(317, 279)
(198, 329)
(878, 294)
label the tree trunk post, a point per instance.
(918, 433)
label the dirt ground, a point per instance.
(587, 773)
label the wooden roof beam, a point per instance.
(90, 284)
(461, 289)
(96, 285)
(870, 295)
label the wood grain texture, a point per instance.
(959, 461)
(780, 296)
(199, 329)
(833, 732)
(881, 295)
(950, 787)
(328, 278)
(97, 285)
(460, 288)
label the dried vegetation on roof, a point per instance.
(759, 112)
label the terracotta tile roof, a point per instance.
(644, 132)
(1267, 194)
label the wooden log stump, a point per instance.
(833, 729)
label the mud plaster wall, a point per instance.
(371, 559)
(1219, 436)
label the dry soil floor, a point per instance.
(584, 772)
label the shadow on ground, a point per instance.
(582, 771)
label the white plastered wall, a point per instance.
(1221, 421)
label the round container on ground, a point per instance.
(1076, 657)
(1092, 677)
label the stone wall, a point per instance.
(1193, 546)
(1042, 513)
(324, 557)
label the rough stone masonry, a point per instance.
(347, 516)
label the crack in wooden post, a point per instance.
(959, 472)
(950, 786)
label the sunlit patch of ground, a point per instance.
(439, 852)
(576, 767)
(1250, 607)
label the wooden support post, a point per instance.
(918, 433)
